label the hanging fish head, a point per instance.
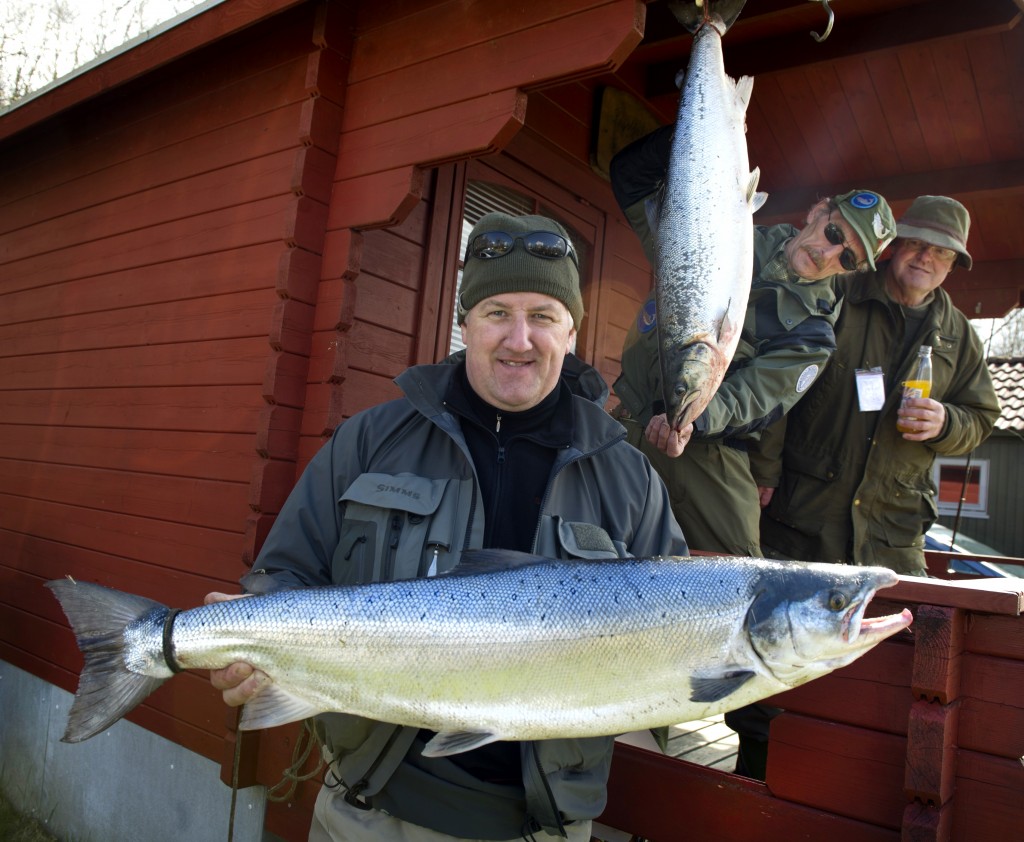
(693, 368)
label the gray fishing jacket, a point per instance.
(393, 495)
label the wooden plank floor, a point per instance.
(706, 742)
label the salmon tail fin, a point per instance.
(691, 14)
(107, 688)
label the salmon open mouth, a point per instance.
(860, 629)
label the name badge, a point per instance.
(870, 389)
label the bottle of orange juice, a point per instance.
(920, 383)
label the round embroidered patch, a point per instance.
(864, 200)
(806, 378)
(647, 318)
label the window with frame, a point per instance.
(962, 486)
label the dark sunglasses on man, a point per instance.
(546, 244)
(834, 234)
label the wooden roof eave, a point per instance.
(469, 100)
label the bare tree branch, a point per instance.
(41, 43)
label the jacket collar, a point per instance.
(425, 386)
(550, 423)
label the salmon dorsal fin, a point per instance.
(494, 561)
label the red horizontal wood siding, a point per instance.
(662, 798)
(191, 297)
(159, 262)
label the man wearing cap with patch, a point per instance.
(493, 451)
(851, 487)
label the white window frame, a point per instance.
(975, 510)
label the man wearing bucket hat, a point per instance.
(495, 451)
(851, 487)
(786, 340)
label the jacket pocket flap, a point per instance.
(813, 465)
(405, 492)
(585, 540)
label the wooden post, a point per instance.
(930, 772)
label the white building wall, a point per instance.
(123, 785)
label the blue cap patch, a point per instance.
(647, 318)
(864, 200)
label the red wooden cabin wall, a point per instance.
(150, 289)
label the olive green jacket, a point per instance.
(850, 487)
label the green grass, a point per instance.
(15, 827)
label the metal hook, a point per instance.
(831, 20)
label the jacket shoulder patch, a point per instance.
(807, 377)
(647, 318)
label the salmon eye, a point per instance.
(837, 600)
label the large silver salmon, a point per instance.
(704, 245)
(537, 650)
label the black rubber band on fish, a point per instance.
(172, 663)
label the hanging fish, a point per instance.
(705, 235)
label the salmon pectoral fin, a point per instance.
(456, 742)
(714, 688)
(273, 706)
(725, 331)
(755, 198)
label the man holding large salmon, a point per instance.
(492, 452)
(786, 339)
(463, 688)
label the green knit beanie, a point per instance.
(518, 270)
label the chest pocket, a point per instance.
(398, 526)
(583, 540)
